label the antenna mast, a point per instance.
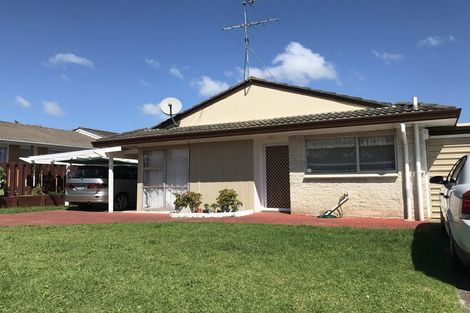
(246, 25)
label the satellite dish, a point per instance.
(171, 106)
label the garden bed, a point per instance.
(210, 215)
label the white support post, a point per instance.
(406, 161)
(111, 184)
(67, 170)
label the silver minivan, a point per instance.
(88, 184)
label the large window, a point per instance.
(165, 172)
(351, 155)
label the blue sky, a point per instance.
(107, 64)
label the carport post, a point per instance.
(110, 184)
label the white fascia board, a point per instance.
(57, 157)
(86, 133)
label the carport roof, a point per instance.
(391, 114)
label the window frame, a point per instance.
(358, 161)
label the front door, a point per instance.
(277, 177)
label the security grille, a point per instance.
(277, 177)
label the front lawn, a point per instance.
(215, 267)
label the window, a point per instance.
(3, 155)
(351, 155)
(376, 154)
(166, 172)
(26, 152)
(455, 171)
(331, 155)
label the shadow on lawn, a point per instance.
(431, 255)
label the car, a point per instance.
(455, 210)
(88, 185)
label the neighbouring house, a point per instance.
(19, 140)
(283, 147)
(22, 140)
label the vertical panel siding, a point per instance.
(442, 155)
(218, 165)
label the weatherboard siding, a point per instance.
(442, 155)
(218, 165)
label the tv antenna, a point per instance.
(246, 25)
(171, 106)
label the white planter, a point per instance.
(210, 215)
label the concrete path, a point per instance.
(86, 217)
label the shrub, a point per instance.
(227, 200)
(189, 199)
(37, 191)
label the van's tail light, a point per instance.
(97, 186)
(465, 210)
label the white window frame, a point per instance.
(358, 162)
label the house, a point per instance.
(283, 147)
(22, 140)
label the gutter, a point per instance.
(418, 168)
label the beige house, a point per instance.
(289, 148)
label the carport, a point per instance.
(111, 155)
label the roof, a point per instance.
(98, 132)
(279, 86)
(389, 114)
(31, 134)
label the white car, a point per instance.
(455, 209)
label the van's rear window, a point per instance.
(90, 172)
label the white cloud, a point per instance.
(152, 109)
(176, 72)
(62, 59)
(388, 57)
(298, 65)
(434, 41)
(229, 73)
(208, 87)
(152, 63)
(64, 77)
(22, 102)
(52, 108)
(144, 83)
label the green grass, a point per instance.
(31, 209)
(213, 267)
